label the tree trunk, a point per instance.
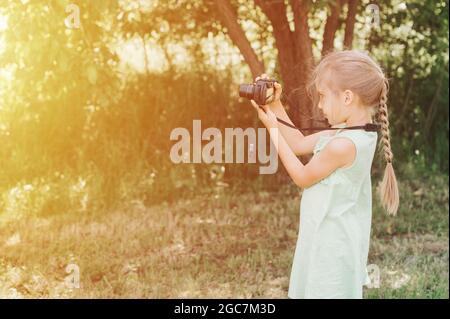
(331, 27)
(295, 55)
(402, 113)
(432, 109)
(291, 69)
(350, 23)
(302, 112)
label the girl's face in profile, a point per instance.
(331, 103)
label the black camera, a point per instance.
(262, 91)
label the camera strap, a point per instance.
(369, 127)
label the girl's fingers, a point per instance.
(277, 87)
(278, 90)
(256, 106)
(261, 113)
(262, 76)
(258, 109)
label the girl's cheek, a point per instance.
(330, 113)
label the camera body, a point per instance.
(262, 91)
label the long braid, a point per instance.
(389, 194)
(383, 117)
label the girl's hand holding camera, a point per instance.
(266, 114)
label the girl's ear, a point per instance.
(348, 97)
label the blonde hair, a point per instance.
(357, 71)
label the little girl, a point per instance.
(336, 205)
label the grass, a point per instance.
(224, 243)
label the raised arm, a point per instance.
(338, 153)
(299, 143)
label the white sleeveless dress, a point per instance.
(335, 222)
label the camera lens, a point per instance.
(246, 90)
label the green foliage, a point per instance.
(70, 107)
(412, 46)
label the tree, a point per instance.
(287, 22)
(295, 47)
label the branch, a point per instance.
(331, 27)
(350, 23)
(406, 100)
(432, 109)
(237, 35)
